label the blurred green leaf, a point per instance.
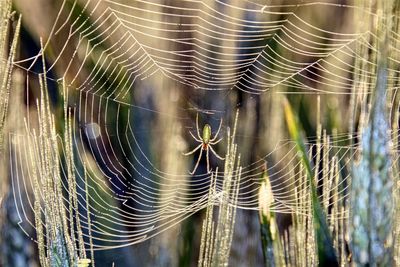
(326, 252)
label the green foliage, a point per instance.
(6, 60)
(372, 200)
(326, 252)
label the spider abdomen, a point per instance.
(206, 135)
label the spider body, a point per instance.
(206, 134)
(206, 142)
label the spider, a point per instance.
(206, 143)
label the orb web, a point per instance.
(115, 47)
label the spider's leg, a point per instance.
(216, 142)
(208, 159)
(219, 128)
(197, 126)
(198, 161)
(215, 153)
(195, 138)
(194, 150)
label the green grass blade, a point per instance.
(326, 252)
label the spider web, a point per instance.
(114, 47)
(211, 45)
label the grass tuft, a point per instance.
(326, 252)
